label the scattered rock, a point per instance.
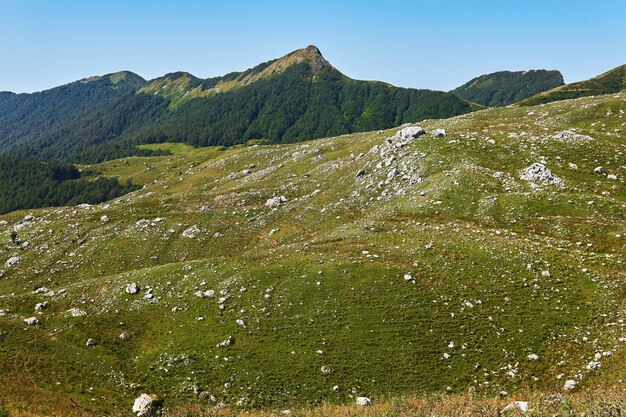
(498, 174)
(76, 312)
(41, 306)
(360, 173)
(14, 260)
(191, 232)
(516, 405)
(572, 136)
(533, 357)
(90, 342)
(32, 321)
(599, 170)
(570, 384)
(326, 369)
(226, 342)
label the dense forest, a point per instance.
(28, 183)
(65, 121)
(298, 97)
(610, 82)
(506, 87)
(299, 104)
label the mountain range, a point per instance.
(297, 97)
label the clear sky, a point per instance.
(437, 44)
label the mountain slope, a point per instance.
(64, 121)
(612, 81)
(296, 102)
(392, 267)
(505, 87)
(297, 97)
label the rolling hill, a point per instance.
(505, 87)
(612, 81)
(297, 97)
(485, 258)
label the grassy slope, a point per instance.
(471, 239)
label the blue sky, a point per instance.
(423, 44)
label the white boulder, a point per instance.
(32, 321)
(276, 201)
(14, 260)
(132, 288)
(363, 401)
(145, 406)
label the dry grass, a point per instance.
(607, 403)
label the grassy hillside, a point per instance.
(612, 81)
(436, 269)
(505, 87)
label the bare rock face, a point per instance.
(146, 406)
(538, 173)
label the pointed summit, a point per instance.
(311, 55)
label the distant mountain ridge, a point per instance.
(609, 82)
(297, 97)
(506, 87)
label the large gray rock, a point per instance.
(406, 136)
(276, 201)
(538, 173)
(146, 406)
(411, 132)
